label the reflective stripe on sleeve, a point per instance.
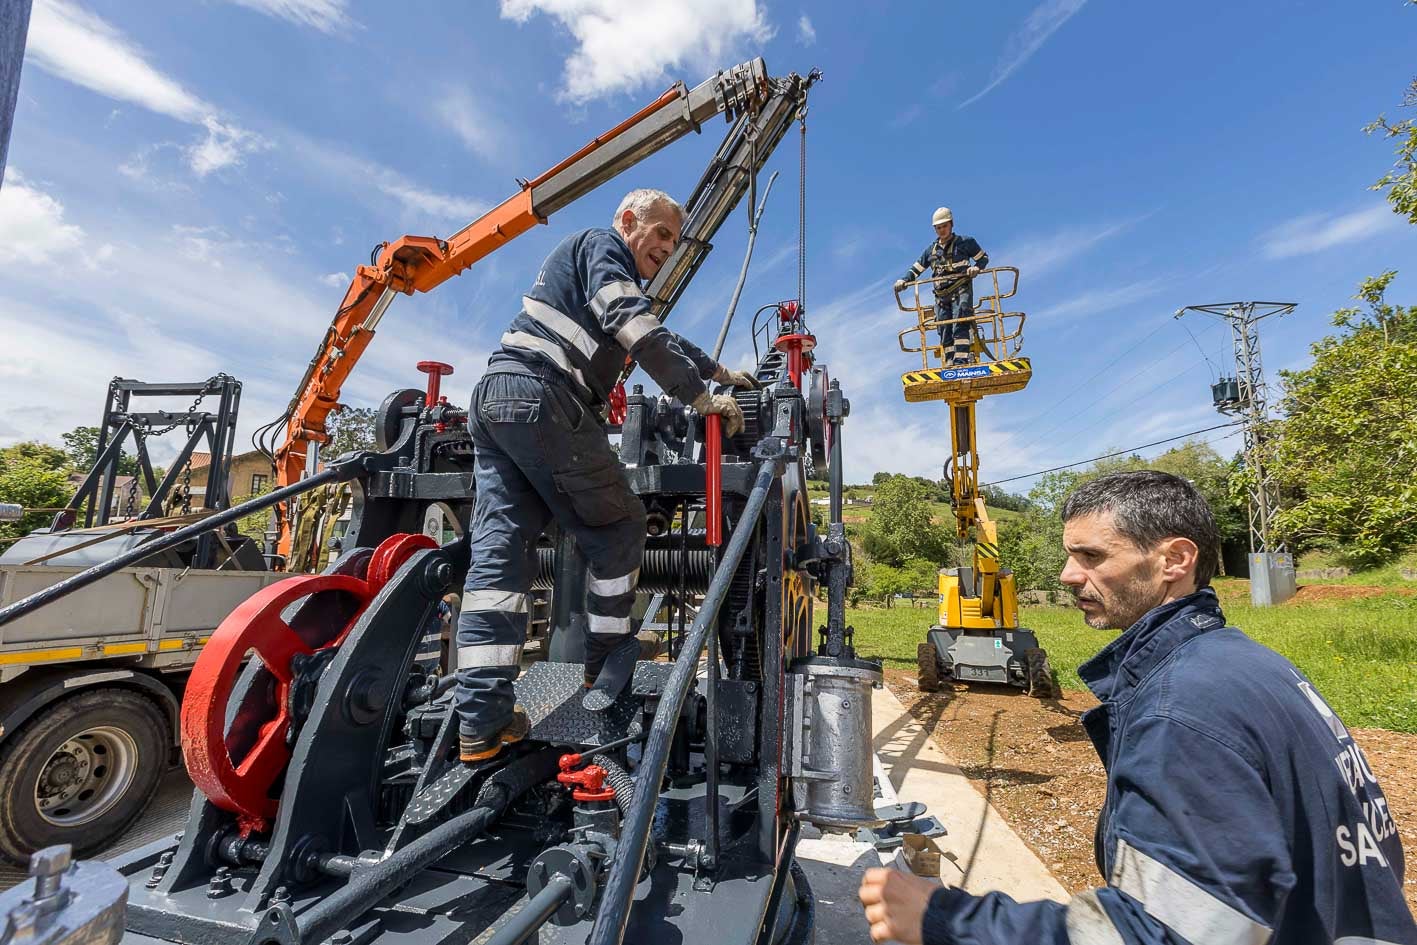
(1361, 940)
(1180, 904)
(489, 655)
(1089, 924)
(979, 255)
(618, 626)
(609, 293)
(917, 268)
(507, 602)
(610, 587)
(529, 342)
(636, 328)
(561, 324)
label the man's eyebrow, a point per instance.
(1085, 549)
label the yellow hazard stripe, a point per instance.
(41, 656)
(987, 550)
(58, 654)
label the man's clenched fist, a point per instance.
(895, 904)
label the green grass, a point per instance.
(1360, 653)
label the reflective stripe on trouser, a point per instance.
(956, 338)
(540, 454)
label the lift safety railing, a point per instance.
(999, 331)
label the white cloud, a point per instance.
(806, 32)
(335, 280)
(1037, 255)
(32, 227)
(82, 48)
(421, 204)
(622, 47)
(1042, 23)
(1316, 232)
(327, 16)
(479, 132)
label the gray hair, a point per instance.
(642, 201)
(1149, 506)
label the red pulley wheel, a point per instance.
(244, 787)
(393, 552)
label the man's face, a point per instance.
(652, 238)
(1113, 581)
(943, 230)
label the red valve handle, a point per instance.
(436, 371)
(588, 784)
(713, 478)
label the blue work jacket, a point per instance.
(586, 313)
(1239, 809)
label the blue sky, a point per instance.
(190, 185)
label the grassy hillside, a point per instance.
(1361, 652)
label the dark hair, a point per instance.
(1149, 506)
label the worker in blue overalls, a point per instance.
(1239, 807)
(542, 454)
(958, 259)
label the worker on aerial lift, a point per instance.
(542, 453)
(958, 259)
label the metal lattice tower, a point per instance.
(1244, 396)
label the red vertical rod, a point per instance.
(713, 478)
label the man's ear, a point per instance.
(627, 221)
(1178, 560)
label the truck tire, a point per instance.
(80, 772)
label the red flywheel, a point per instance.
(236, 768)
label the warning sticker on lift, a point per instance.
(960, 374)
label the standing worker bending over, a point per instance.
(542, 453)
(951, 256)
(1239, 810)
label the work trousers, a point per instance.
(957, 338)
(541, 454)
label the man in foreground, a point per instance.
(1239, 808)
(956, 260)
(542, 453)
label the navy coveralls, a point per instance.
(542, 453)
(952, 257)
(1239, 809)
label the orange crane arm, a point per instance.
(422, 263)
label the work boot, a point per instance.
(607, 677)
(472, 750)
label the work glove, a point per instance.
(737, 378)
(723, 405)
(972, 271)
(899, 284)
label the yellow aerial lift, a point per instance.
(978, 638)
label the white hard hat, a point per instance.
(942, 215)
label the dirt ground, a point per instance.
(1308, 593)
(1034, 763)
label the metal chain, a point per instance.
(192, 408)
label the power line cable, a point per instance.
(1131, 449)
(1103, 370)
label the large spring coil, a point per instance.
(659, 572)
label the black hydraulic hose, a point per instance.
(804, 919)
(619, 779)
(536, 913)
(336, 472)
(367, 887)
(619, 892)
(753, 220)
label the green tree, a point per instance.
(81, 446)
(1346, 448)
(350, 429)
(884, 582)
(901, 527)
(35, 476)
(1401, 182)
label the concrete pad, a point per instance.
(981, 852)
(984, 850)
